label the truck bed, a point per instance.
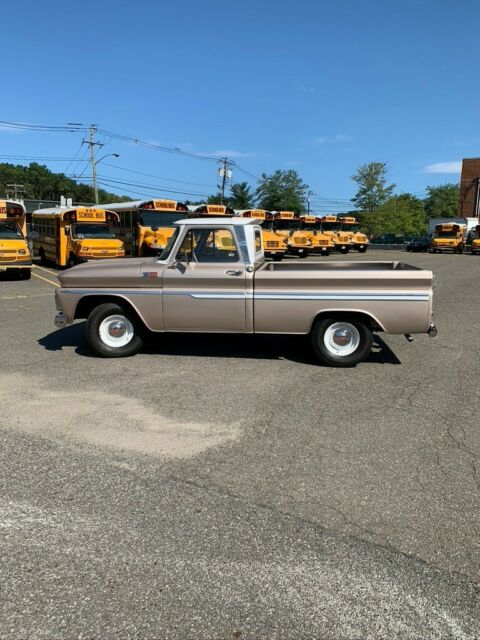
(306, 267)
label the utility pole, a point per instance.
(225, 173)
(91, 142)
(15, 191)
(476, 211)
(309, 194)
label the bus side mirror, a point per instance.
(67, 229)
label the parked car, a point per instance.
(423, 243)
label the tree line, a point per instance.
(379, 209)
(39, 183)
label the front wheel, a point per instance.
(277, 257)
(113, 332)
(363, 249)
(341, 343)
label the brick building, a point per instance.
(469, 202)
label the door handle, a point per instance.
(233, 272)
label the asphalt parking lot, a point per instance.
(229, 487)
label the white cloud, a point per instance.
(455, 166)
(307, 88)
(339, 138)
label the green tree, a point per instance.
(401, 214)
(282, 191)
(241, 196)
(442, 201)
(42, 184)
(373, 190)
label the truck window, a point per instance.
(258, 241)
(208, 245)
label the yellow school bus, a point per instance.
(449, 237)
(274, 246)
(321, 243)
(287, 225)
(351, 227)
(67, 236)
(332, 226)
(14, 252)
(145, 226)
(475, 247)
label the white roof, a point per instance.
(122, 206)
(236, 222)
(50, 210)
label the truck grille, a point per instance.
(301, 240)
(272, 244)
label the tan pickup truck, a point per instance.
(213, 277)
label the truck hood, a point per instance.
(119, 272)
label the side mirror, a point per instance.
(155, 229)
(67, 229)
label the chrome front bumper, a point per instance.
(432, 330)
(60, 320)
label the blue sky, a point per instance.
(319, 87)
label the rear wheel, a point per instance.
(43, 260)
(113, 332)
(341, 343)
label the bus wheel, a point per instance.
(277, 257)
(113, 332)
(25, 274)
(43, 260)
(343, 250)
(341, 343)
(363, 249)
(303, 255)
(71, 261)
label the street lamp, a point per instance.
(94, 172)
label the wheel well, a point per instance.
(365, 318)
(87, 304)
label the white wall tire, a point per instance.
(341, 342)
(113, 332)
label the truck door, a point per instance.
(204, 284)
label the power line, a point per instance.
(40, 127)
(149, 175)
(115, 183)
(39, 158)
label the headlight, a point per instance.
(22, 252)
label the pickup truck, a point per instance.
(213, 277)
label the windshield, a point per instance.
(82, 231)
(350, 227)
(168, 249)
(286, 225)
(445, 234)
(331, 226)
(160, 218)
(10, 231)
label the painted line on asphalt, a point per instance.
(52, 273)
(54, 284)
